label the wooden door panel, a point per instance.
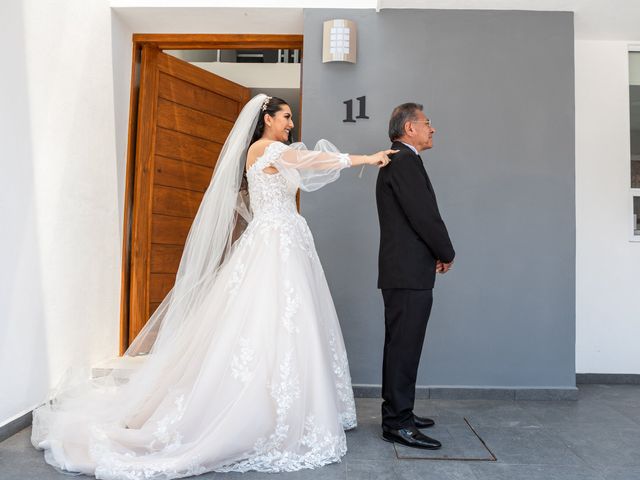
(202, 78)
(175, 201)
(180, 146)
(160, 285)
(184, 116)
(178, 91)
(174, 116)
(170, 230)
(165, 258)
(180, 174)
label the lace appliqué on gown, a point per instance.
(340, 366)
(270, 454)
(242, 361)
(292, 303)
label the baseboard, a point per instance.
(608, 378)
(15, 425)
(475, 393)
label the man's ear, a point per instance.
(408, 128)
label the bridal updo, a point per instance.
(272, 106)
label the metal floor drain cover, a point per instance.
(459, 441)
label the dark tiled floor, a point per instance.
(594, 438)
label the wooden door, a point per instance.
(184, 116)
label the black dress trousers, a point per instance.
(406, 313)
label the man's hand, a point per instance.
(443, 267)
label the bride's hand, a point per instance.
(381, 158)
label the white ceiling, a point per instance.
(594, 19)
(211, 20)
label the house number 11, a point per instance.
(362, 107)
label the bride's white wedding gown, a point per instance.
(264, 384)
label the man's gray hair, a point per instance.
(401, 115)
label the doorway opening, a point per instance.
(186, 92)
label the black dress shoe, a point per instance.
(411, 437)
(423, 422)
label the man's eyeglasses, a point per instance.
(427, 122)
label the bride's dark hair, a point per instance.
(273, 106)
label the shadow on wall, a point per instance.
(24, 365)
(121, 61)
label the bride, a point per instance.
(243, 365)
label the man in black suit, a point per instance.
(414, 245)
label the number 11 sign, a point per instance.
(362, 107)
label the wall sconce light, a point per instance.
(339, 41)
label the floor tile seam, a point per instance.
(600, 426)
(571, 466)
(496, 409)
(535, 464)
(561, 440)
(528, 428)
(535, 415)
(572, 450)
(629, 399)
(609, 403)
(398, 472)
(368, 462)
(634, 468)
(402, 461)
(626, 415)
(537, 428)
(604, 468)
(566, 427)
(599, 475)
(461, 461)
(480, 413)
(546, 423)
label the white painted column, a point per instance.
(607, 263)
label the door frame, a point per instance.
(172, 42)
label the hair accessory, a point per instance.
(265, 103)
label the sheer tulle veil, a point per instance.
(107, 394)
(222, 213)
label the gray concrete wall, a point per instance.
(498, 87)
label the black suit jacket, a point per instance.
(412, 233)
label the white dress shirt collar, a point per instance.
(411, 147)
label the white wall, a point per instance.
(269, 75)
(60, 245)
(121, 53)
(607, 263)
(22, 339)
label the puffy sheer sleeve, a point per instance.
(308, 170)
